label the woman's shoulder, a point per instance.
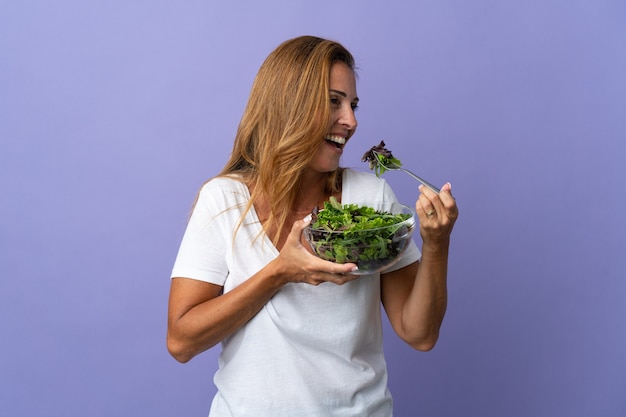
(353, 176)
(228, 189)
(363, 187)
(223, 182)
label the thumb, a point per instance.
(300, 225)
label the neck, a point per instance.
(312, 192)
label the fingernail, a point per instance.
(356, 268)
(307, 218)
(450, 185)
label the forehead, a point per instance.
(342, 79)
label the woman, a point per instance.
(299, 335)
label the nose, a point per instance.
(348, 118)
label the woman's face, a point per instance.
(342, 122)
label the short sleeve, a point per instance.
(203, 249)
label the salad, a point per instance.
(360, 234)
(378, 156)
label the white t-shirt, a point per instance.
(311, 350)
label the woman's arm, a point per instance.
(415, 297)
(200, 316)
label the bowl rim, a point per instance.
(410, 222)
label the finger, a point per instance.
(304, 222)
(442, 202)
(422, 206)
(340, 277)
(428, 203)
(448, 200)
(425, 209)
(338, 269)
(430, 194)
(343, 278)
(446, 193)
(297, 228)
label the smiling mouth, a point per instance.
(336, 140)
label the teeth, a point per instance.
(337, 139)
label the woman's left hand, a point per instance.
(415, 297)
(437, 214)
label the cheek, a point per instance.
(334, 116)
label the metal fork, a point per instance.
(394, 167)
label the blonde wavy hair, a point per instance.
(283, 124)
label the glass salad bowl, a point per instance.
(373, 236)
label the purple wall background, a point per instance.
(113, 113)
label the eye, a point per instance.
(335, 101)
(355, 107)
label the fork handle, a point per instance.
(426, 183)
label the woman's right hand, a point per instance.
(200, 316)
(296, 264)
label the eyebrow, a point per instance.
(342, 94)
